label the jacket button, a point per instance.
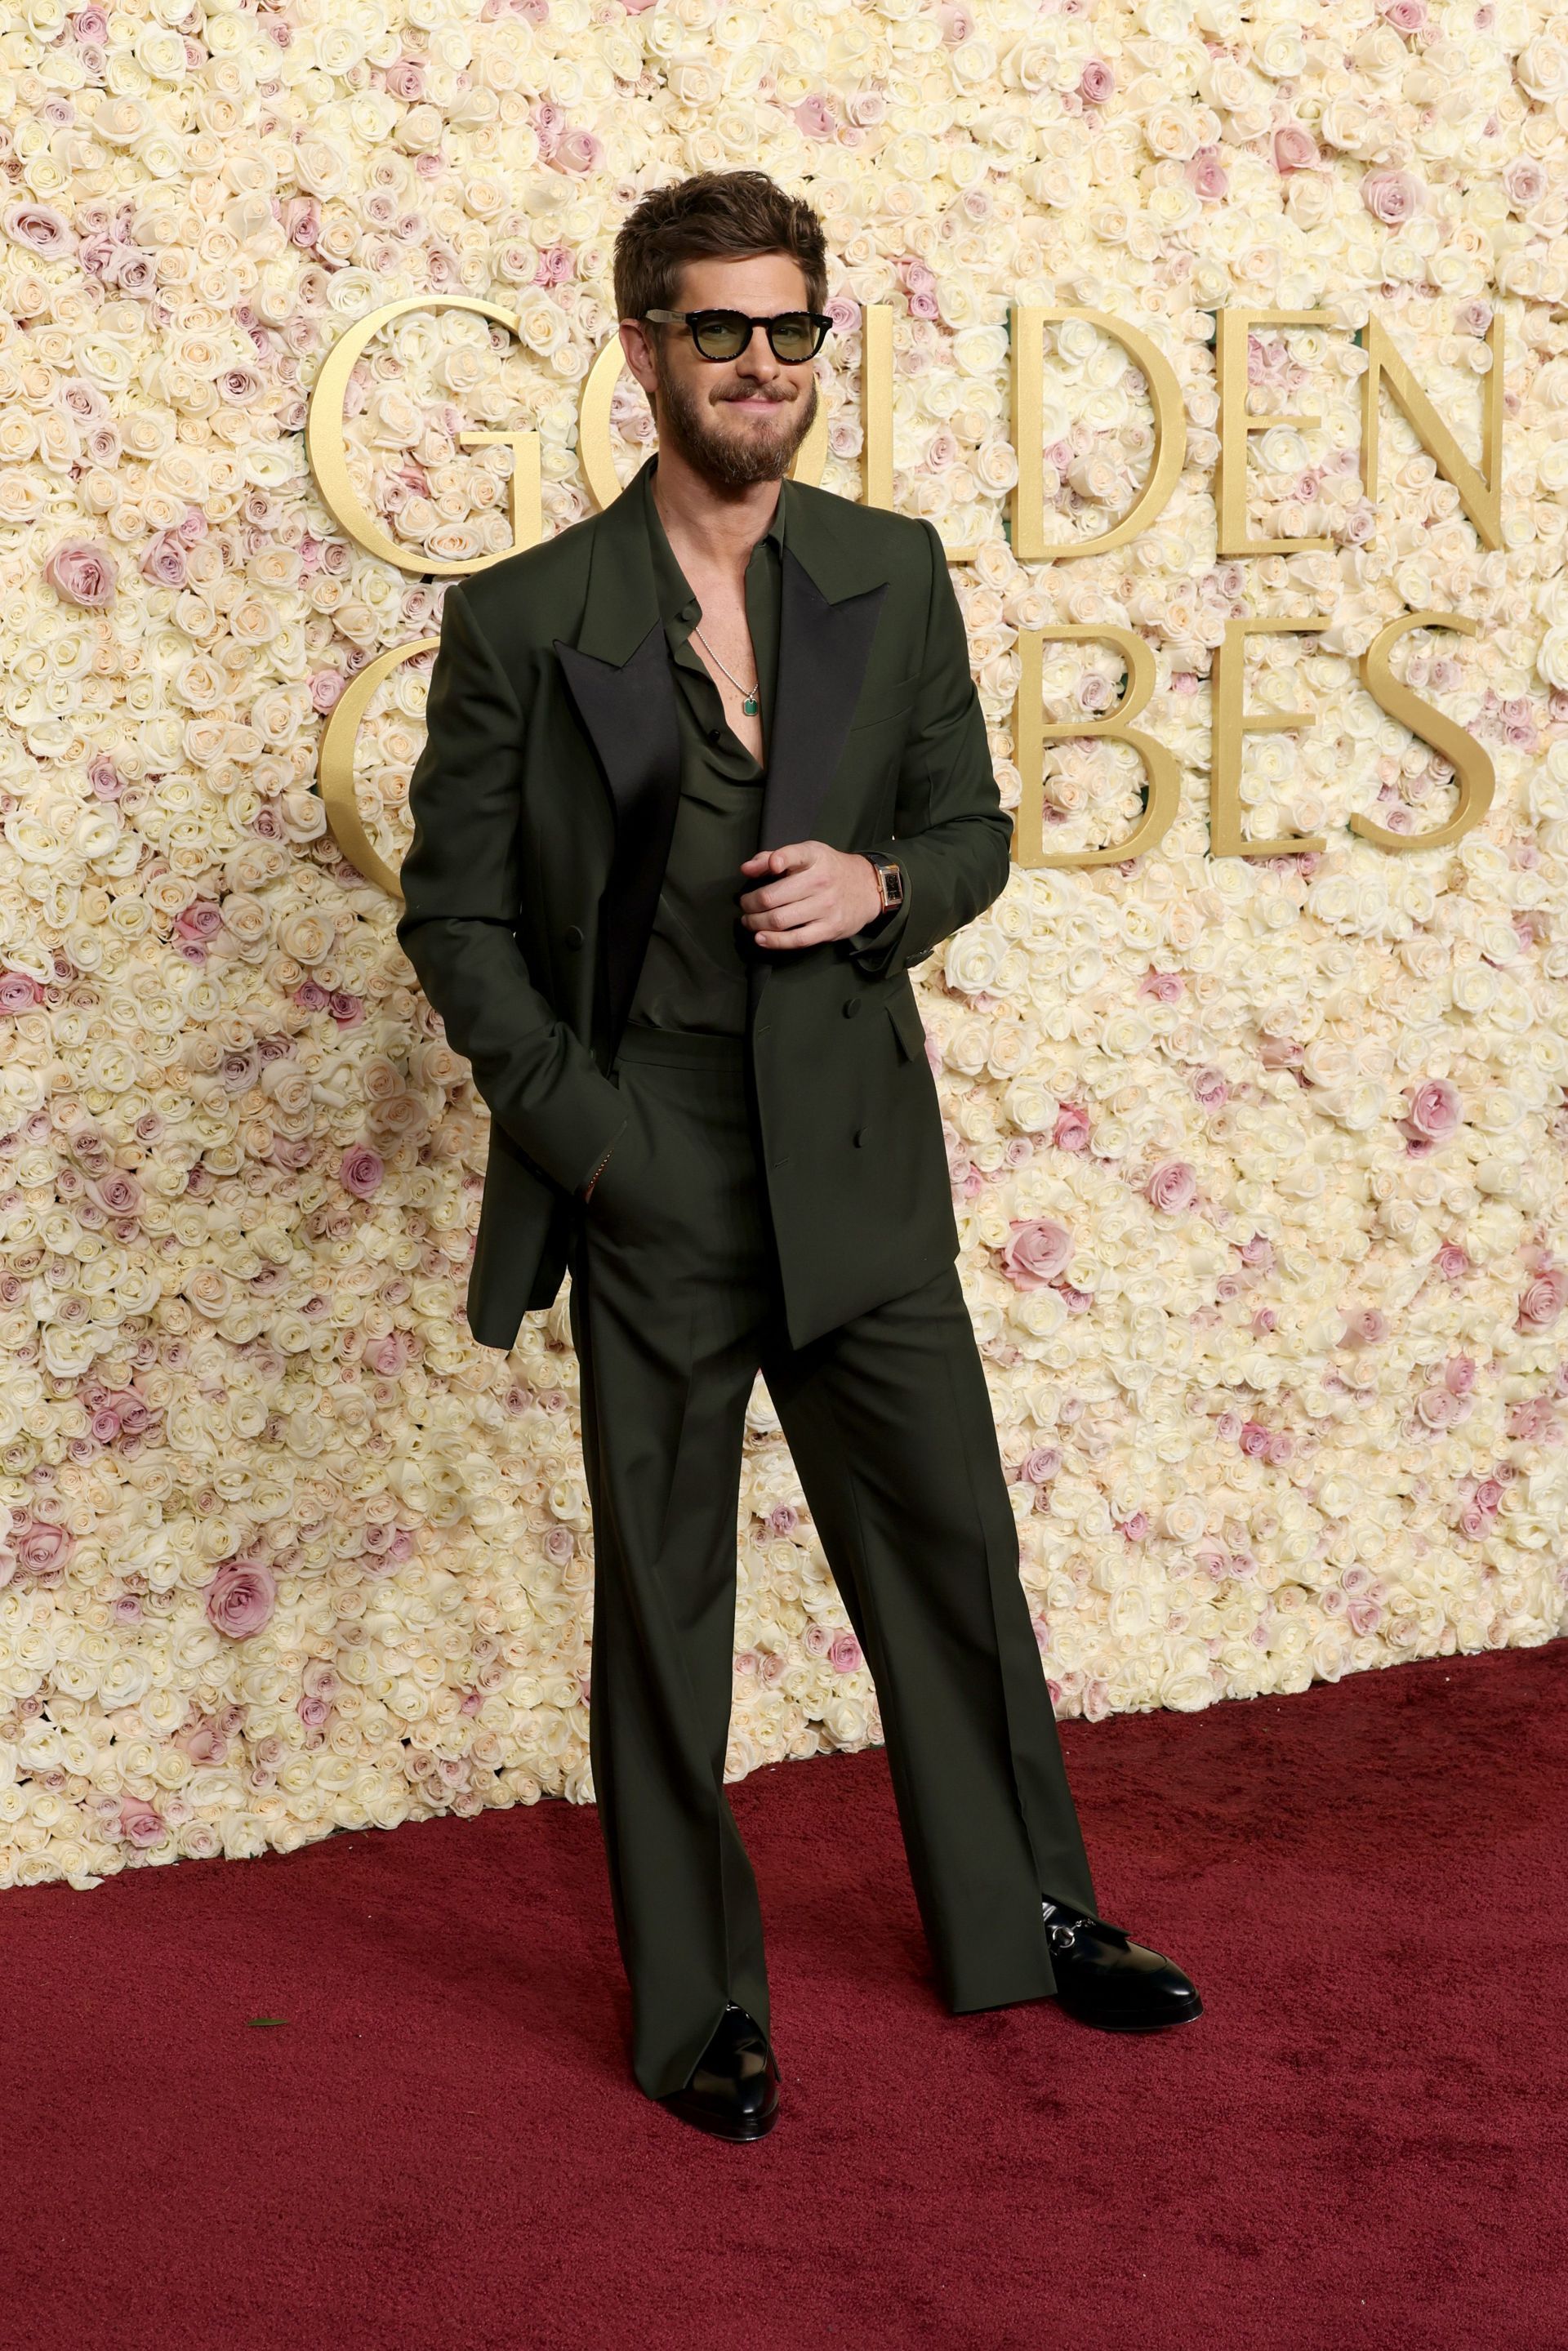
(862, 1135)
(851, 1006)
(573, 937)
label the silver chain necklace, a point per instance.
(749, 703)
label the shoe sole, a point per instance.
(1110, 2024)
(744, 2137)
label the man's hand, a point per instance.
(824, 893)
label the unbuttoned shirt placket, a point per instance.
(695, 975)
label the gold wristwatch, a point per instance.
(889, 879)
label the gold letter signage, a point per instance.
(1479, 489)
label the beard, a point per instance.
(732, 462)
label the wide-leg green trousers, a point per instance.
(674, 1306)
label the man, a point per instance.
(704, 775)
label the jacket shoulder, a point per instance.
(535, 589)
(873, 530)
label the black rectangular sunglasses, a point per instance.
(792, 335)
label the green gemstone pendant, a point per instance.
(750, 705)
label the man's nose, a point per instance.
(757, 361)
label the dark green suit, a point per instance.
(777, 1198)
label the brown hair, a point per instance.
(723, 215)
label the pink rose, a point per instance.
(1544, 1298)
(118, 1194)
(1172, 1186)
(1137, 1528)
(560, 1546)
(360, 1170)
(1534, 1422)
(1295, 149)
(814, 117)
(1096, 83)
(844, 1655)
(164, 560)
(20, 991)
(577, 151)
(1439, 1407)
(302, 221)
(1436, 1110)
(1208, 179)
(1452, 1262)
(1210, 1087)
(42, 1548)
(1040, 1464)
(39, 227)
(1524, 182)
(391, 1355)
(241, 1597)
(139, 1824)
(80, 572)
(638, 7)
(203, 1741)
(1037, 1250)
(1392, 197)
(1071, 1129)
(1459, 1374)
(1165, 986)
(1254, 1440)
(1368, 1327)
(1407, 16)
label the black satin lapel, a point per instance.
(823, 649)
(629, 711)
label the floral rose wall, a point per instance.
(1258, 1166)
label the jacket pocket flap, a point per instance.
(907, 1026)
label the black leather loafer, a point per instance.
(733, 2089)
(1103, 1978)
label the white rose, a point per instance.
(1541, 68)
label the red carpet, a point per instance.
(1361, 2144)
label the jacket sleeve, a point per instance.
(952, 836)
(462, 892)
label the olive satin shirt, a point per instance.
(693, 975)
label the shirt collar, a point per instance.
(676, 599)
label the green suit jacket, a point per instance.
(543, 804)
